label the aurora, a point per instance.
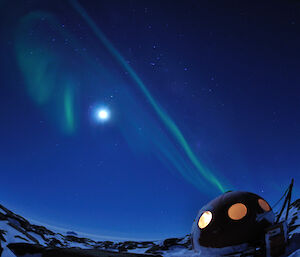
(201, 171)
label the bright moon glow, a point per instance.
(205, 219)
(103, 114)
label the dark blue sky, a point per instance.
(203, 97)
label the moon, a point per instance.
(103, 114)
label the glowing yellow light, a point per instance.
(237, 211)
(205, 219)
(264, 205)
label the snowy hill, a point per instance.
(18, 237)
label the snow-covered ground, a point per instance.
(16, 229)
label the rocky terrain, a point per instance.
(18, 237)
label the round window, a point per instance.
(205, 219)
(237, 211)
(264, 205)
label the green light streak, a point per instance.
(47, 81)
(35, 62)
(169, 123)
(69, 111)
(35, 67)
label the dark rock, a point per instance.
(122, 249)
(130, 245)
(14, 221)
(23, 238)
(55, 243)
(23, 249)
(145, 244)
(296, 204)
(171, 242)
(6, 210)
(76, 239)
(41, 230)
(2, 216)
(155, 249)
(291, 228)
(107, 244)
(2, 233)
(24, 233)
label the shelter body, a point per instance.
(234, 223)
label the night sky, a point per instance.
(123, 118)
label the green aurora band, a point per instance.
(69, 110)
(39, 64)
(168, 122)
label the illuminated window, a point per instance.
(264, 205)
(205, 219)
(237, 211)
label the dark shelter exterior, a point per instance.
(232, 219)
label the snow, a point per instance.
(295, 254)
(11, 233)
(138, 250)
(181, 252)
(7, 253)
(174, 251)
(78, 245)
(14, 221)
(37, 237)
(9, 237)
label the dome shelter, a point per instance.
(234, 219)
